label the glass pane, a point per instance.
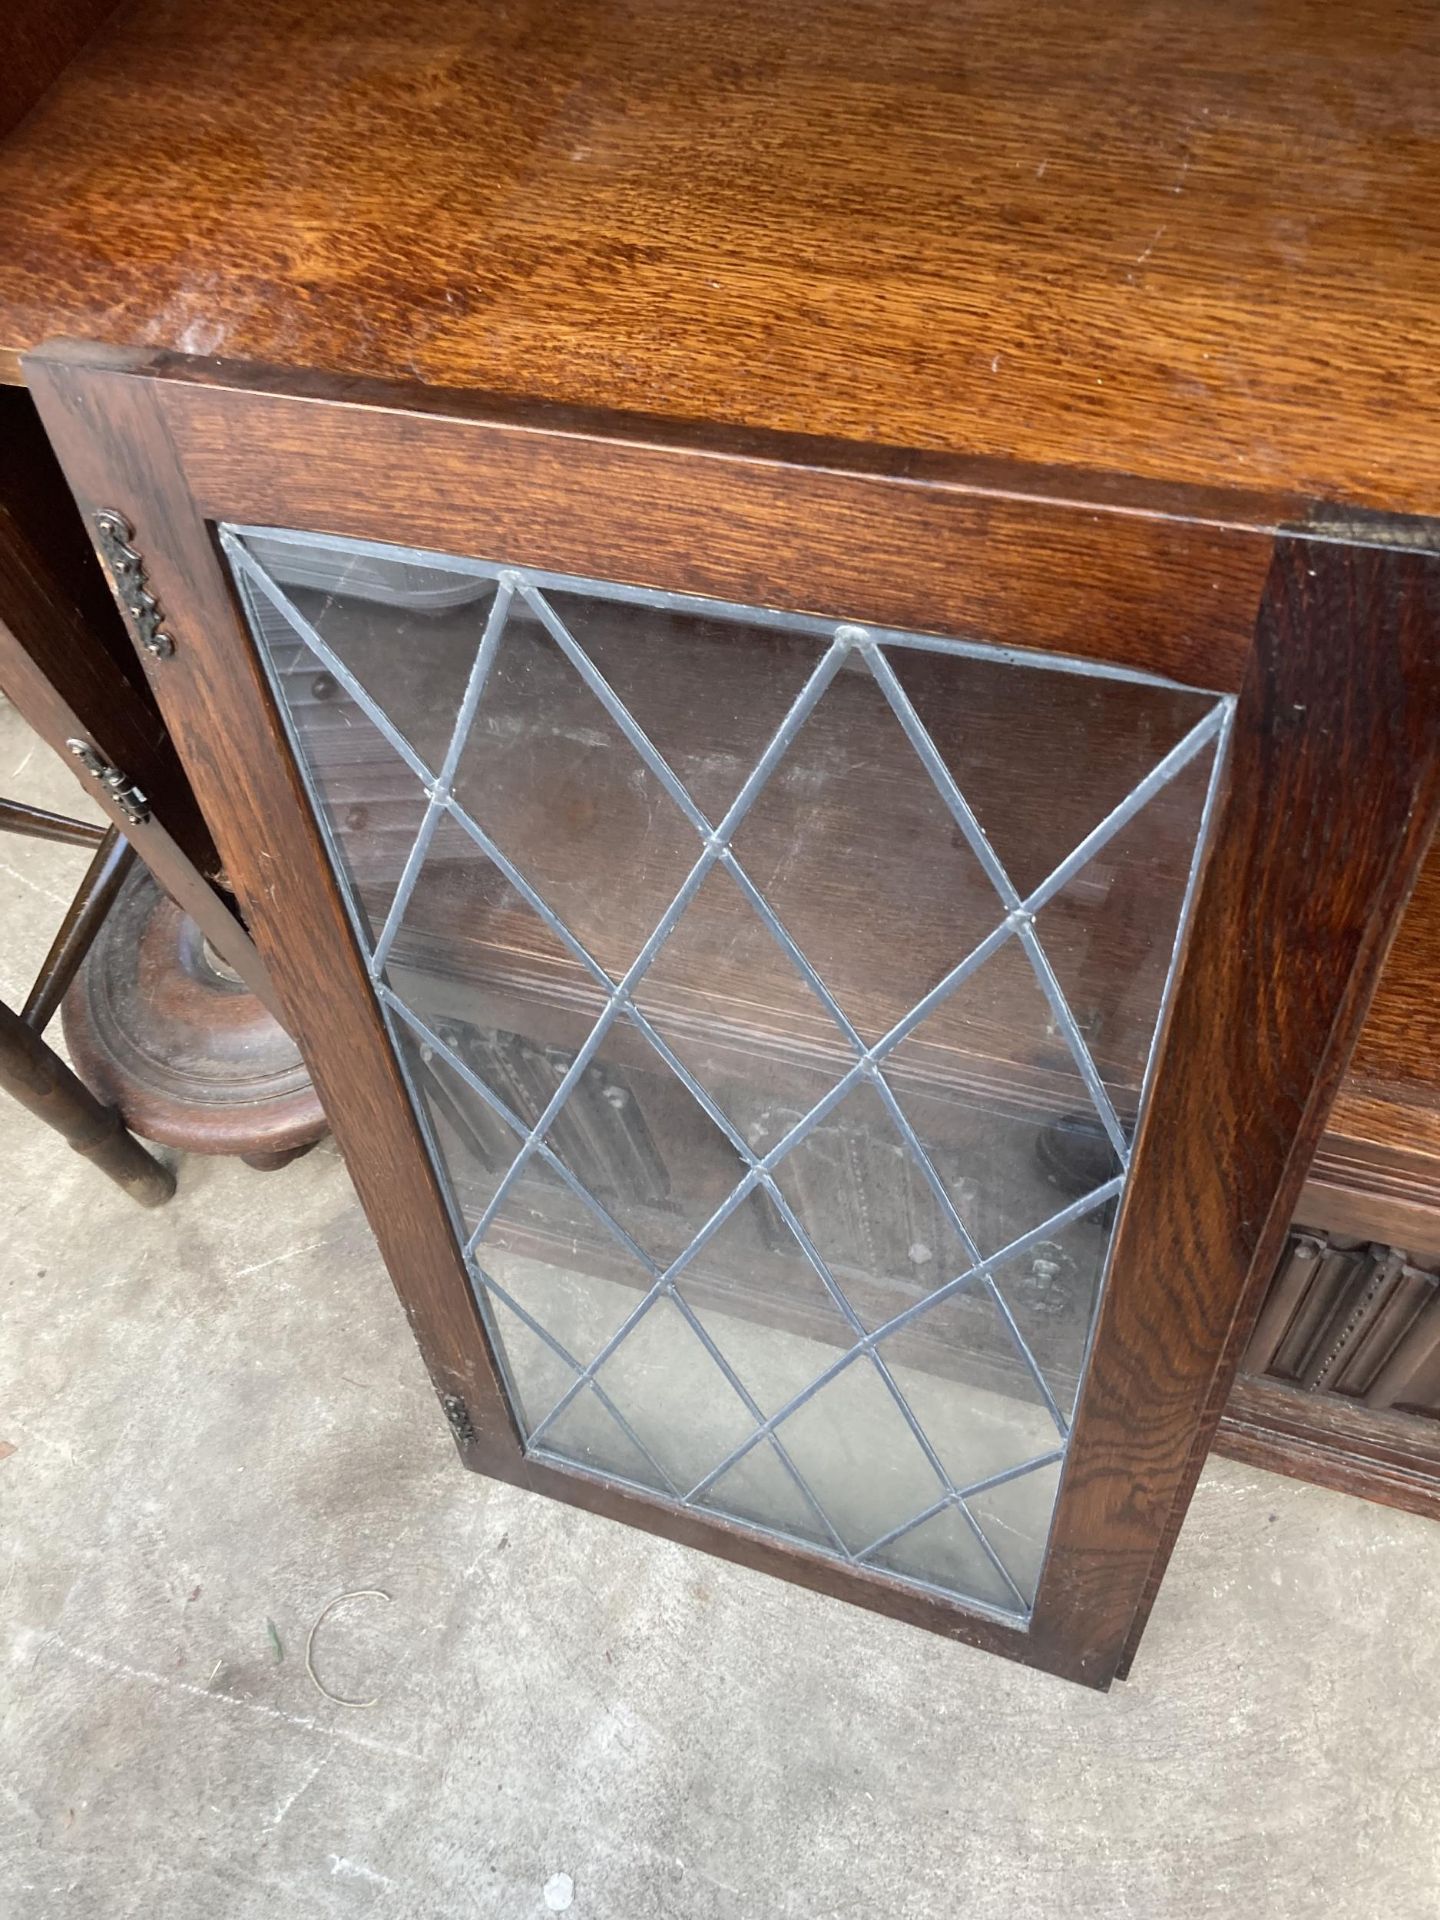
(675, 1396)
(981, 1407)
(729, 1002)
(667, 665)
(850, 843)
(1050, 1291)
(1015, 1518)
(536, 1373)
(765, 1306)
(777, 1008)
(406, 632)
(764, 1488)
(860, 1193)
(944, 1551)
(588, 1434)
(551, 778)
(367, 797)
(859, 1456)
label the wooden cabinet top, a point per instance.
(1180, 242)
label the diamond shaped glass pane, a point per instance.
(675, 673)
(1051, 1291)
(734, 1009)
(762, 1490)
(981, 1080)
(1041, 757)
(763, 1304)
(674, 1396)
(1015, 1519)
(852, 878)
(551, 778)
(588, 1435)
(855, 1451)
(858, 856)
(468, 944)
(370, 801)
(581, 1296)
(476, 1146)
(861, 1196)
(1110, 933)
(544, 1246)
(970, 1387)
(537, 1374)
(943, 1552)
(407, 632)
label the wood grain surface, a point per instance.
(1330, 797)
(1387, 1457)
(1180, 242)
(38, 40)
(67, 664)
(1171, 592)
(1375, 1170)
(1298, 905)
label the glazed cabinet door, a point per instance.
(825, 973)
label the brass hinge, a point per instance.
(119, 787)
(113, 536)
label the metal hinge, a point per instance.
(113, 534)
(119, 787)
(458, 1414)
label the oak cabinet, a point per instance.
(819, 738)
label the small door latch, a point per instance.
(113, 535)
(120, 788)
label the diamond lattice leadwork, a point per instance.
(823, 1178)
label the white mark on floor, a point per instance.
(123, 1670)
(288, 1802)
(357, 1870)
(291, 1253)
(559, 1892)
(45, 893)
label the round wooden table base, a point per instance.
(159, 1026)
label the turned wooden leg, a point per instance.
(35, 1075)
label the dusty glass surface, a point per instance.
(777, 996)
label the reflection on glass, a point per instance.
(777, 1001)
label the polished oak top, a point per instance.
(1180, 241)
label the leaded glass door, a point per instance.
(825, 978)
(776, 997)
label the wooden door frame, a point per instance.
(64, 655)
(1331, 790)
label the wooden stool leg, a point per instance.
(35, 1075)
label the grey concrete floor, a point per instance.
(219, 1422)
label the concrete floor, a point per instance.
(219, 1422)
